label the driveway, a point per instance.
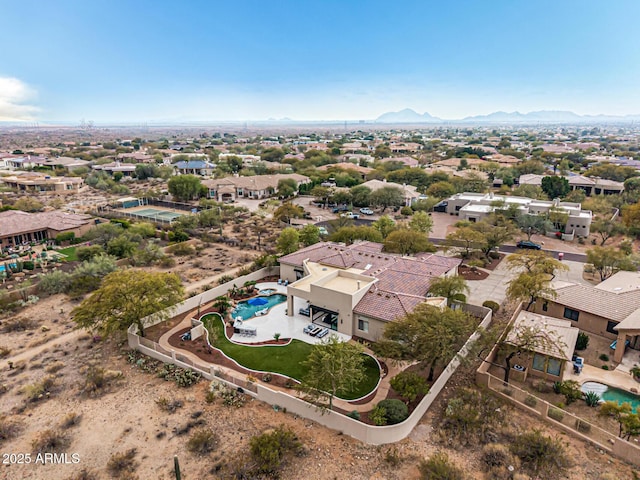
(495, 286)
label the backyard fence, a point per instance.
(374, 435)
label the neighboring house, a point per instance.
(36, 182)
(358, 289)
(195, 167)
(66, 163)
(22, 162)
(228, 189)
(402, 147)
(590, 185)
(363, 171)
(407, 161)
(502, 160)
(127, 169)
(17, 227)
(476, 206)
(136, 157)
(610, 309)
(547, 358)
(472, 163)
(247, 160)
(409, 192)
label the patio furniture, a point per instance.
(615, 344)
(578, 365)
(323, 333)
(279, 281)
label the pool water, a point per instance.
(611, 394)
(267, 291)
(246, 311)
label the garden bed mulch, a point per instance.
(472, 273)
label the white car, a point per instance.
(350, 215)
(323, 231)
(366, 211)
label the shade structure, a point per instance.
(257, 301)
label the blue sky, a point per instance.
(134, 61)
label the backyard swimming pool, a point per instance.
(612, 394)
(245, 310)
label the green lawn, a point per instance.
(286, 360)
(70, 252)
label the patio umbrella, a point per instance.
(257, 301)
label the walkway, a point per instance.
(613, 378)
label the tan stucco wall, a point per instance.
(587, 322)
(376, 328)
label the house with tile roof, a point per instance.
(228, 189)
(610, 309)
(36, 182)
(357, 289)
(17, 227)
(589, 185)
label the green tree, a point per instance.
(386, 197)
(441, 189)
(382, 151)
(421, 222)
(628, 422)
(555, 187)
(309, 235)
(452, 288)
(409, 385)
(608, 260)
(322, 194)
(407, 242)
(494, 234)
(185, 187)
(631, 218)
(360, 196)
(348, 234)
(127, 297)
(605, 228)
(428, 334)
(385, 225)
(332, 367)
(287, 187)
(222, 303)
(288, 241)
(464, 241)
(287, 211)
(270, 449)
(531, 224)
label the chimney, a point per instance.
(358, 284)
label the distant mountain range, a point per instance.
(543, 116)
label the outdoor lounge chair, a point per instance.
(279, 281)
(323, 333)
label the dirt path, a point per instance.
(213, 279)
(32, 352)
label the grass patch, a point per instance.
(70, 253)
(286, 360)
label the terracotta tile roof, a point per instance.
(15, 222)
(610, 305)
(386, 305)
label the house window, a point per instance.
(610, 326)
(545, 306)
(553, 366)
(363, 325)
(539, 362)
(571, 314)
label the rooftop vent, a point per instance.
(367, 266)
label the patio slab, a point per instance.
(276, 321)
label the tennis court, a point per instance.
(155, 214)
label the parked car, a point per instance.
(366, 211)
(350, 215)
(323, 333)
(305, 311)
(528, 244)
(340, 208)
(323, 231)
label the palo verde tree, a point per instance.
(333, 366)
(407, 242)
(464, 241)
(185, 187)
(288, 241)
(536, 270)
(609, 260)
(126, 297)
(452, 288)
(428, 334)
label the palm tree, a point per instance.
(452, 288)
(222, 304)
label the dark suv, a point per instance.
(528, 244)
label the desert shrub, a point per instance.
(70, 420)
(354, 414)
(178, 236)
(267, 378)
(471, 415)
(50, 441)
(494, 306)
(65, 237)
(181, 249)
(269, 450)
(87, 253)
(605, 367)
(231, 397)
(498, 460)
(592, 399)
(85, 474)
(378, 415)
(582, 342)
(570, 389)
(167, 262)
(122, 463)
(39, 390)
(9, 429)
(224, 279)
(54, 367)
(476, 263)
(168, 405)
(406, 211)
(542, 386)
(439, 467)
(604, 357)
(203, 441)
(507, 391)
(182, 377)
(409, 385)
(97, 379)
(392, 457)
(19, 324)
(542, 455)
(530, 401)
(582, 426)
(395, 410)
(556, 414)
(4, 351)
(28, 265)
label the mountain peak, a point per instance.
(406, 115)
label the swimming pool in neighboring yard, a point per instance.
(612, 394)
(245, 311)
